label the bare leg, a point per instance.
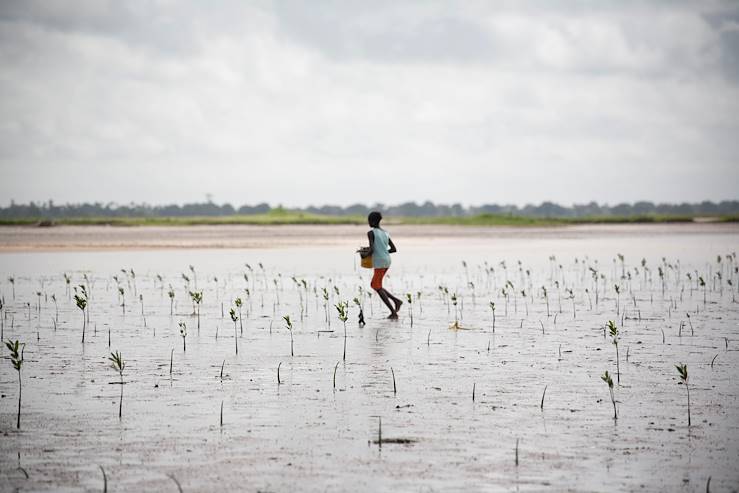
(395, 300)
(383, 296)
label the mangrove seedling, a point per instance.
(16, 358)
(613, 330)
(81, 303)
(234, 318)
(343, 309)
(682, 370)
(197, 298)
(11, 280)
(617, 288)
(170, 293)
(360, 322)
(571, 296)
(56, 307)
(607, 379)
(117, 363)
(238, 304)
(289, 326)
(335, 368)
(183, 333)
(325, 306)
(409, 298)
(122, 296)
(453, 298)
(546, 298)
(702, 284)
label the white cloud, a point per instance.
(300, 103)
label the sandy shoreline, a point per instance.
(85, 238)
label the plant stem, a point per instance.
(542, 397)
(120, 403)
(688, 389)
(20, 393)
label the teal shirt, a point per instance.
(380, 253)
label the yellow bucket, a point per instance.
(367, 262)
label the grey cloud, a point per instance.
(436, 98)
(651, 39)
(385, 31)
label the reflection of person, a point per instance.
(380, 247)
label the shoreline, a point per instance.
(114, 238)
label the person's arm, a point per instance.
(371, 237)
(392, 246)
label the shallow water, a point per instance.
(304, 434)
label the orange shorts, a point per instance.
(377, 278)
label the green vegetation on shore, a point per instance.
(283, 217)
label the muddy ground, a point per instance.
(304, 434)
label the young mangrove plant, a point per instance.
(122, 297)
(11, 280)
(170, 293)
(56, 308)
(492, 309)
(525, 303)
(16, 358)
(343, 309)
(117, 363)
(81, 302)
(613, 330)
(183, 334)
(682, 370)
(571, 297)
(546, 298)
(607, 379)
(197, 299)
(409, 298)
(238, 304)
(360, 321)
(234, 319)
(325, 306)
(453, 298)
(289, 327)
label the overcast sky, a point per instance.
(337, 102)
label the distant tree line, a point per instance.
(546, 209)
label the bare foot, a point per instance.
(397, 306)
(393, 316)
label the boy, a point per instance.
(380, 247)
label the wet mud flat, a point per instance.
(317, 429)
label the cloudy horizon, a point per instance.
(301, 103)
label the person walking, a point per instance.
(380, 248)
